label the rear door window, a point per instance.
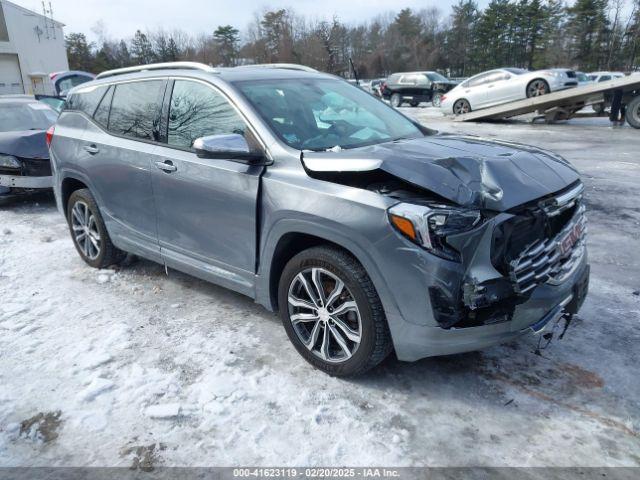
(197, 110)
(135, 109)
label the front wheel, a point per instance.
(396, 100)
(537, 88)
(89, 233)
(436, 101)
(332, 313)
(461, 107)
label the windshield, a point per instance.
(436, 77)
(16, 117)
(321, 114)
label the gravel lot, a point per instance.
(138, 368)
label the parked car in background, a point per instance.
(65, 81)
(583, 79)
(505, 85)
(598, 77)
(367, 231)
(415, 87)
(24, 158)
(604, 76)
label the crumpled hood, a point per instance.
(27, 144)
(469, 171)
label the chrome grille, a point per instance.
(551, 260)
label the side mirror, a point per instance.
(231, 146)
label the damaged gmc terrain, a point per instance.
(368, 232)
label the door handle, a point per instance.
(92, 149)
(166, 166)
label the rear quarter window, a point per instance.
(86, 101)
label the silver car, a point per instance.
(505, 85)
(368, 232)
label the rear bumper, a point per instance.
(25, 182)
(536, 316)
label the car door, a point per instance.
(207, 208)
(498, 88)
(121, 146)
(475, 92)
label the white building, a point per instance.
(31, 47)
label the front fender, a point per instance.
(334, 232)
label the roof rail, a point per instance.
(284, 66)
(158, 66)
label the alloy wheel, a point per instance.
(437, 100)
(85, 230)
(461, 107)
(324, 315)
(537, 88)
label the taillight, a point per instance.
(443, 98)
(49, 135)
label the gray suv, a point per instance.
(366, 231)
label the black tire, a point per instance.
(436, 101)
(537, 88)
(599, 108)
(396, 100)
(375, 339)
(633, 112)
(461, 107)
(107, 254)
(414, 104)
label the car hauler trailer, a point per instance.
(564, 104)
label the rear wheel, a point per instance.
(88, 232)
(461, 107)
(436, 101)
(633, 112)
(332, 313)
(537, 88)
(396, 100)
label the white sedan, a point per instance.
(505, 85)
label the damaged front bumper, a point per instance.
(520, 271)
(536, 316)
(11, 181)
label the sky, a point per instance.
(123, 17)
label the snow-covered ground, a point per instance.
(132, 367)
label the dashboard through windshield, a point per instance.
(323, 114)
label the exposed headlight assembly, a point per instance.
(9, 161)
(429, 226)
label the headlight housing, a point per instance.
(9, 161)
(430, 225)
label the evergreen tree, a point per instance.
(79, 52)
(588, 25)
(460, 41)
(227, 39)
(141, 49)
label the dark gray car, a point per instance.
(366, 231)
(24, 157)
